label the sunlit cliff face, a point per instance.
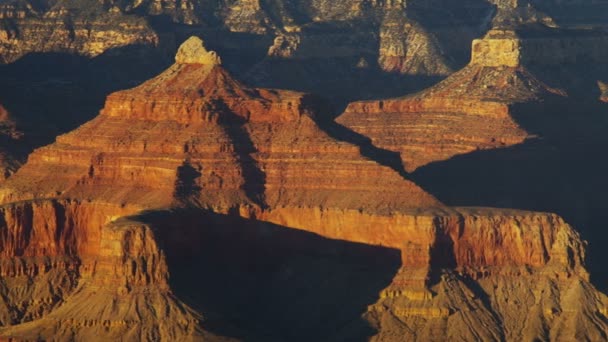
(256, 186)
(204, 204)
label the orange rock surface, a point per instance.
(195, 138)
(470, 110)
(195, 134)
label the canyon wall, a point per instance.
(124, 285)
(194, 195)
(68, 29)
(476, 108)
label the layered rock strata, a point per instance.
(194, 128)
(43, 244)
(84, 28)
(205, 140)
(473, 109)
(257, 160)
(124, 286)
(407, 48)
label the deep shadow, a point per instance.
(264, 282)
(323, 112)
(562, 171)
(254, 177)
(53, 93)
(454, 24)
(568, 13)
(367, 148)
(337, 79)
(442, 251)
(186, 187)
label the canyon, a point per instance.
(132, 212)
(445, 183)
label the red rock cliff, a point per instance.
(470, 110)
(194, 137)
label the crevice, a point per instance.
(367, 148)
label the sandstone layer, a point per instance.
(476, 108)
(226, 185)
(206, 140)
(194, 128)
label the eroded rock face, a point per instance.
(407, 48)
(473, 109)
(120, 283)
(12, 145)
(209, 169)
(511, 48)
(249, 144)
(43, 246)
(85, 28)
(193, 51)
(434, 126)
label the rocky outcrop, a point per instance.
(407, 48)
(193, 51)
(526, 306)
(194, 128)
(512, 48)
(470, 272)
(432, 126)
(125, 287)
(42, 245)
(85, 28)
(481, 100)
(214, 174)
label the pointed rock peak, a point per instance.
(193, 51)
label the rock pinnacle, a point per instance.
(193, 51)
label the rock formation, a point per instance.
(204, 139)
(202, 163)
(12, 145)
(603, 87)
(426, 40)
(258, 139)
(407, 48)
(85, 28)
(193, 52)
(473, 109)
(330, 39)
